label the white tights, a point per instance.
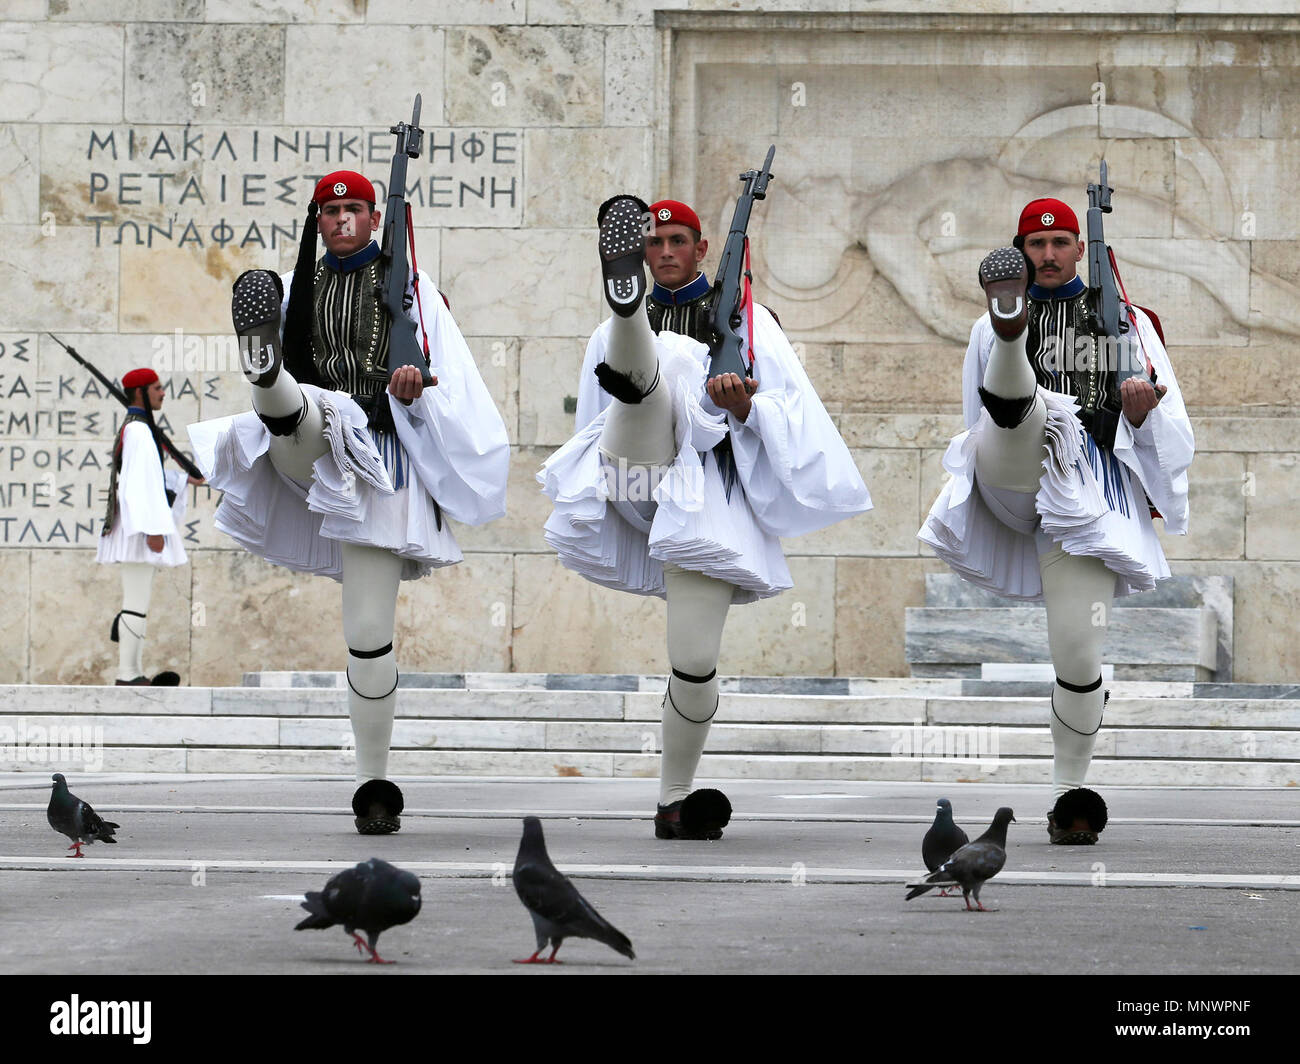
(370, 581)
(137, 585)
(639, 436)
(697, 611)
(1077, 591)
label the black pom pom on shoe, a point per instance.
(705, 813)
(1078, 817)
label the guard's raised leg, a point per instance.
(639, 425)
(296, 425)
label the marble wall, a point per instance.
(150, 150)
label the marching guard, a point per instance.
(683, 474)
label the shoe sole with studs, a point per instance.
(1004, 276)
(255, 310)
(622, 254)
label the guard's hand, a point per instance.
(730, 392)
(197, 482)
(1139, 397)
(155, 543)
(405, 384)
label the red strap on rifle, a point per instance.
(1131, 316)
(415, 279)
(747, 300)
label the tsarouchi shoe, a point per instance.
(1078, 817)
(1004, 276)
(378, 805)
(701, 815)
(622, 252)
(255, 309)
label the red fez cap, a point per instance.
(674, 212)
(138, 378)
(343, 184)
(1042, 214)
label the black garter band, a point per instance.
(694, 679)
(285, 425)
(1006, 413)
(1082, 691)
(372, 654)
(621, 386)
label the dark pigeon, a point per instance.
(557, 909)
(942, 840)
(70, 816)
(373, 896)
(973, 864)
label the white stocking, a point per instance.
(640, 433)
(137, 584)
(697, 611)
(370, 580)
(1078, 593)
(292, 455)
(1012, 458)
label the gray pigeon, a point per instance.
(974, 863)
(942, 840)
(373, 896)
(70, 816)
(557, 909)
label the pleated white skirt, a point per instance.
(1088, 502)
(350, 499)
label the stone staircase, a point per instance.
(797, 728)
(1181, 630)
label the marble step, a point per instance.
(1213, 592)
(625, 682)
(1181, 639)
(1105, 772)
(190, 703)
(789, 685)
(950, 740)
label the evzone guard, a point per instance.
(1074, 437)
(681, 477)
(146, 509)
(371, 426)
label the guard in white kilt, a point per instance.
(679, 484)
(345, 469)
(146, 508)
(1042, 504)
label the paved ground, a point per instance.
(208, 873)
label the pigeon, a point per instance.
(942, 840)
(70, 816)
(557, 909)
(974, 863)
(373, 896)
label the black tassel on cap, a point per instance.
(297, 321)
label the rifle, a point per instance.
(403, 348)
(727, 329)
(1112, 332)
(190, 468)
